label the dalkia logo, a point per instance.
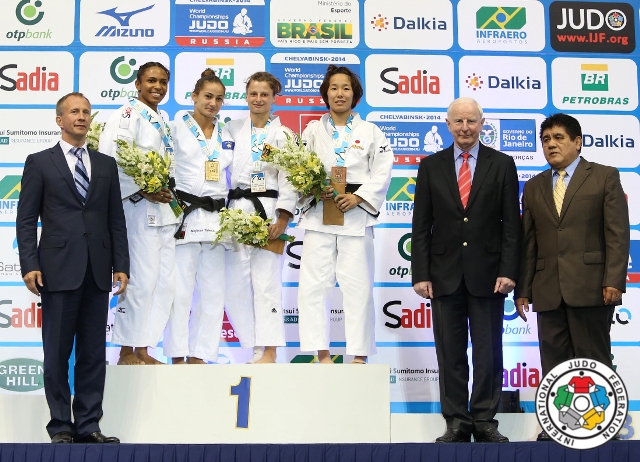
(21, 374)
(501, 22)
(381, 23)
(607, 141)
(38, 79)
(21, 318)
(418, 83)
(582, 403)
(513, 82)
(123, 19)
(417, 318)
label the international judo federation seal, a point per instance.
(581, 403)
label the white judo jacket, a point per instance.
(242, 168)
(368, 160)
(126, 124)
(200, 225)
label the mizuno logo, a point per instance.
(123, 18)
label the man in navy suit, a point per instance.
(465, 258)
(82, 254)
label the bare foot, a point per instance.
(127, 358)
(324, 357)
(143, 356)
(359, 360)
(269, 356)
(194, 360)
(179, 360)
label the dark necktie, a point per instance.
(80, 175)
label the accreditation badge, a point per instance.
(258, 182)
(212, 170)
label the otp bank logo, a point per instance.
(122, 71)
(28, 12)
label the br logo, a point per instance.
(582, 403)
(122, 71)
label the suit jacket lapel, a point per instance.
(95, 168)
(482, 168)
(547, 192)
(60, 162)
(449, 175)
(582, 171)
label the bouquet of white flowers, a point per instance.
(304, 168)
(245, 228)
(149, 170)
(93, 135)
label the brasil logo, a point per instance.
(581, 403)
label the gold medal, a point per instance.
(212, 170)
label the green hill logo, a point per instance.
(21, 375)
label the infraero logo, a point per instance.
(399, 201)
(122, 71)
(9, 194)
(28, 12)
(500, 18)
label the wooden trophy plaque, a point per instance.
(332, 215)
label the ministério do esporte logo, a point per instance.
(582, 403)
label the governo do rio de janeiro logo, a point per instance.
(582, 403)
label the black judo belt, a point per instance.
(195, 202)
(239, 193)
(351, 188)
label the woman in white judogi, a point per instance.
(143, 309)
(259, 186)
(341, 138)
(203, 150)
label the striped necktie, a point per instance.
(559, 190)
(464, 179)
(80, 175)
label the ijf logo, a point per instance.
(582, 403)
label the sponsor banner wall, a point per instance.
(521, 59)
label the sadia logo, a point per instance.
(600, 27)
(399, 200)
(30, 318)
(407, 318)
(21, 375)
(416, 83)
(28, 12)
(31, 79)
(9, 194)
(521, 377)
(123, 19)
(582, 403)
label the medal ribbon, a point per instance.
(257, 142)
(340, 144)
(204, 145)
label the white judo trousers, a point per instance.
(196, 321)
(349, 260)
(143, 310)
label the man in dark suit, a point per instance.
(575, 251)
(465, 257)
(76, 193)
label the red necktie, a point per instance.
(464, 180)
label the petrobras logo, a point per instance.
(407, 25)
(227, 24)
(232, 69)
(131, 23)
(325, 24)
(399, 317)
(409, 80)
(508, 26)
(21, 375)
(598, 27)
(594, 84)
(37, 22)
(109, 77)
(582, 403)
(488, 80)
(302, 74)
(35, 77)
